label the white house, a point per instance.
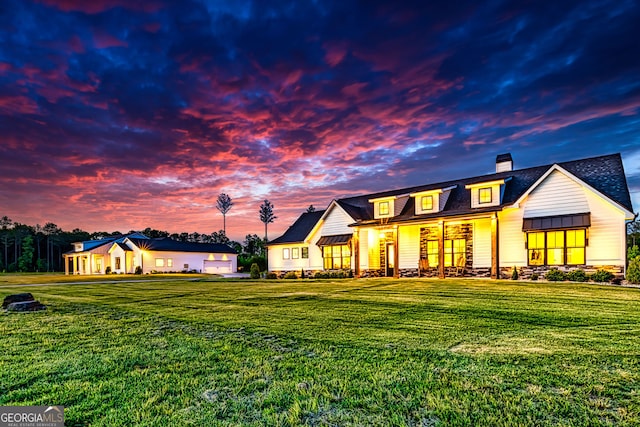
(122, 255)
(567, 215)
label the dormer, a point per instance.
(431, 201)
(487, 194)
(388, 207)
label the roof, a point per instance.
(167, 244)
(123, 246)
(300, 229)
(88, 245)
(338, 239)
(603, 173)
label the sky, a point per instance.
(120, 115)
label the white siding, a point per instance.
(337, 222)
(364, 248)
(482, 243)
(511, 236)
(475, 196)
(556, 195)
(193, 260)
(607, 234)
(277, 261)
(408, 246)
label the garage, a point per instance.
(217, 267)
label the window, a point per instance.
(432, 253)
(169, 262)
(484, 195)
(558, 247)
(117, 263)
(159, 262)
(454, 252)
(295, 253)
(427, 203)
(186, 266)
(304, 253)
(383, 208)
(336, 257)
(286, 253)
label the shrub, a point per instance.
(602, 276)
(254, 273)
(633, 252)
(555, 275)
(633, 271)
(271, 275)
(534, 276)
(514, 273)
(577, 275)
(138, 270)
(291, 275)
(107, 270)
(321, 275)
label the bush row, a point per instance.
(578, 275)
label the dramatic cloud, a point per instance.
(117, 115)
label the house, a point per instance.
(567, 215)
(124, 254)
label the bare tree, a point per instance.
(311, 208)
(224, 205)
(266, 215)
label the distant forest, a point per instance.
(38, 248)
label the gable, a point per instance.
(557, 194)
(336, 221)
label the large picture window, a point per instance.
(558, 247)
(336, 257)
(455, 252)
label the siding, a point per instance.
(337, 222)
(512, 249)
(277, 262)
(408, 246)
(482, 243)
(364, 248)
(607, 234)
(556, 195)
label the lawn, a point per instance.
(348, 352)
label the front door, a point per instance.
(391, 260)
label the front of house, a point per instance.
(567, 215)
(126, 254)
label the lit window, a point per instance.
(432, 253)
(336, 257)
(561, 247)
(295, 253)
(286, 253)
(454, 253)
(305, 253)
(169, 262)
(484, 195)
(159, 262)
(427, 203)
(384, 208)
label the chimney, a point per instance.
(504, 163)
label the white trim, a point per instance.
(486, 183)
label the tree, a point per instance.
(266, 215)
(5, 224)
(52, 232)
(311, 208)
(219, 237)
(253, 245)
(633, 231)
(224, 205)
(25, 262)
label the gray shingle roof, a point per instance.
(167, 244)
(300, 229)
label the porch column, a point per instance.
(355, 243)
(495, 252)
(396, 255)
(75, 264)
(66, 265)
(441, 249)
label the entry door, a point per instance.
(391, 260)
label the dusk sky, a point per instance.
(119, 114)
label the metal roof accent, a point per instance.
(339, 239)
(557, 222)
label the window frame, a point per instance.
(483, 191)
(433, 252)
(565, 248)
(304, 253)
(286, 253)
(455, 251)
(386, 208)
(159, 262)
(295, 253)
(423, 199)
(336, 257)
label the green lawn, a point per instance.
(349, 352)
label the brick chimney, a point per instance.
(504, 163)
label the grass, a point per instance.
(347, 352)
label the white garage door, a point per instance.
(217, 267)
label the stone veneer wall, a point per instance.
(541, 270)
